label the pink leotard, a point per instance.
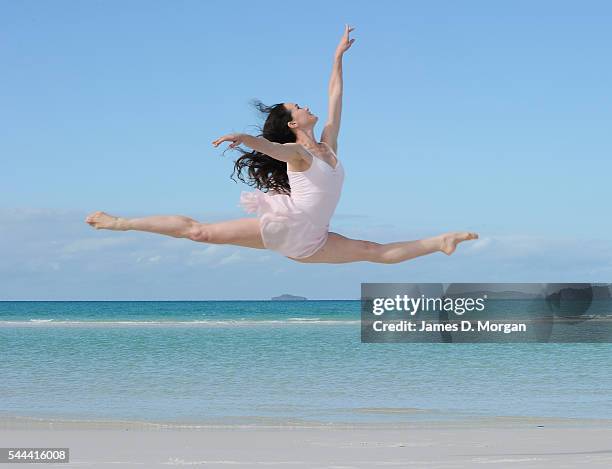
(297, 225)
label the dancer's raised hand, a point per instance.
(345, 42)
(236, 140)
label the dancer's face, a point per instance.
(301, 117)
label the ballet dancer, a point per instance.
(298, 183)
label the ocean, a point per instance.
(273, 362)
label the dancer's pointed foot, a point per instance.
(104, 221)
(449, 241)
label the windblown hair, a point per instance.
(262, 171)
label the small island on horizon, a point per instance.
(287, 297)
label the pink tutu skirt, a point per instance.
(284, 227)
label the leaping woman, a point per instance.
(298, 185)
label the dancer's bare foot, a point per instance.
(104, 221)
(449, 241)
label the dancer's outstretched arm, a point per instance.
(332, 126)
(287, 152)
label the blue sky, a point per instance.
(485, 116)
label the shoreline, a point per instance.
(19, 422)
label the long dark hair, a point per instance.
(262, 171)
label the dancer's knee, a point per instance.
(200, 232)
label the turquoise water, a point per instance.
(261, 361)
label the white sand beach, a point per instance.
(495, 442)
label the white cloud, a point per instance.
(204, 255)
(207, 251)
(558, 249)
(479, 245)
(35, 265)
(233, 258)
(31, 213)
(94, 244)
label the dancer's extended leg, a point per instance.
(240, 232)
(339, 249)
(245, 232)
